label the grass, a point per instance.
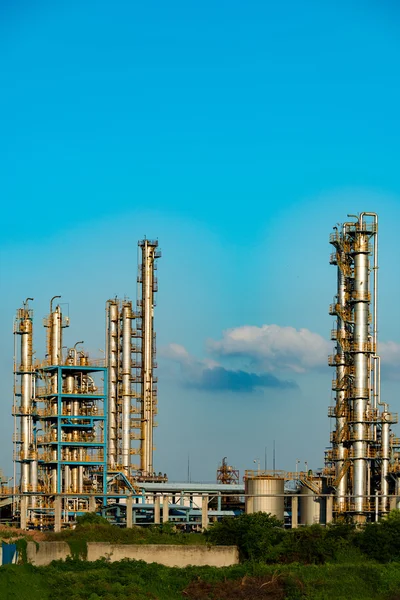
(314, 563)
(136, 580)
(79, 536)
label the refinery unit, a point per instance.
(363, 464)
(83, 427)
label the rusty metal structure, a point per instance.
(227, 474)
(363, 464)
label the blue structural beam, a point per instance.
(64, 422)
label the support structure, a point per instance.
(362, 457)
(60, 424)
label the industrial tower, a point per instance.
(60, 416)
(75, 418)
(363, 464)
(130, 357)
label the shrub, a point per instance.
(381, 541)
(309, 545)
(256, 535)
(91, 519)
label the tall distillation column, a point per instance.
(54, 324)
(363, 446)
(26, 455)
(112, 358)
(361, 347)
(148, 389)
(342, 374)
(126, 370)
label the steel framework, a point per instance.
(132, 386)
(60, 416)
(363, 462)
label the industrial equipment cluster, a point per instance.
(83, 427)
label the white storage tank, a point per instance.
(270, 483)
(312, 507)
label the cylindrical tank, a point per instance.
(313, 507)
(259, 483)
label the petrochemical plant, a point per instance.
(83, 427)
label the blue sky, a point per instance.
(238, 134)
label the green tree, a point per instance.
(91, 518)
(256, 535)
(381, 541)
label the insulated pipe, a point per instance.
(74, 480)
(385, 427)
(112, 318)
(80, 471)
(26, 333)
(67, 477)
(126, 385)
(375, 268)
(361, 365)
(385, 437)
(341, 418)
(55, 334)
(55, 356)
(385, 457)
(33, 480)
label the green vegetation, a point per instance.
(338, 562)
(260, 537)
(381, 541)
(94, 528)
(135, 580)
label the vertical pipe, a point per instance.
(385, 457)
(341, 416)
(112, 318)
(126, 384)
(80, 471)
(16, 422)
(55, 356)
(25, 330)
(56, 337)
(74, 472)
(361, 365)
(386, 418)
(33, 480)
(148, 397)
(67, 478)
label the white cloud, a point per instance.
(179, 354)
(271, 348)
(274, 347)
(208, 375)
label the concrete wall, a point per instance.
(46, 552)
(168, 555)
